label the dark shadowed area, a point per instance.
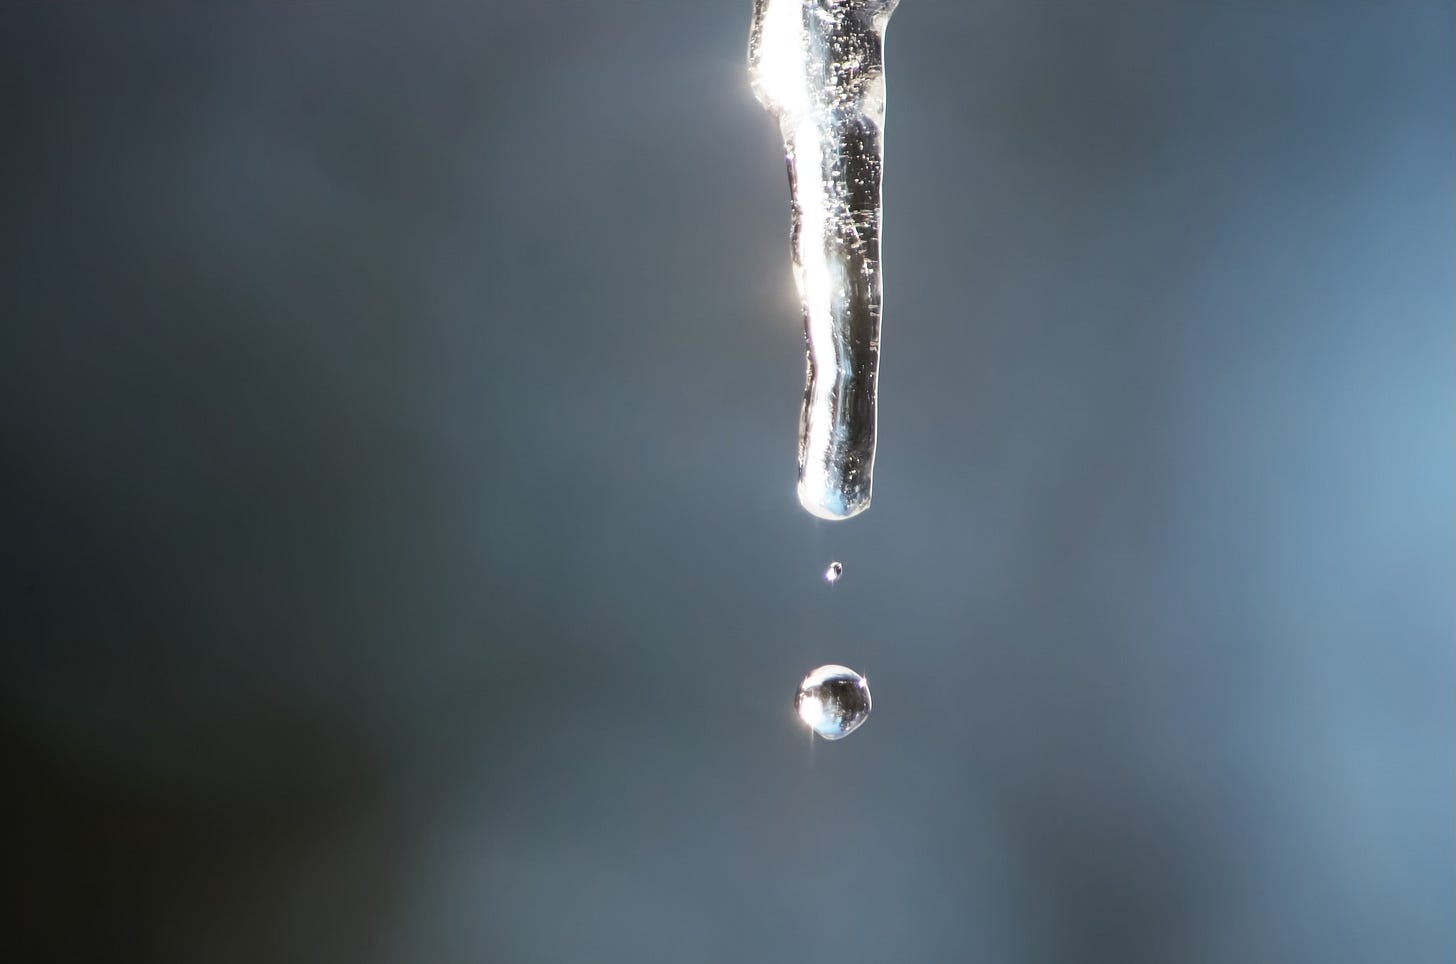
(402, 563)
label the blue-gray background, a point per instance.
(399, 409)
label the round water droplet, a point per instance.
(833, 573)
(834, 701)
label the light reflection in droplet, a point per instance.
(834, 701)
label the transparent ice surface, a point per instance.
(834, 700)
(818, 65)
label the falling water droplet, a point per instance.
(834, 701)
(833, 573)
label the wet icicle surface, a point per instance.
(818, 65)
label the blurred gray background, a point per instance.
(402, 556)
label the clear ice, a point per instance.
(834, 701)
(834, 571)
(818, 65)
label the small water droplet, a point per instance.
(833, 573)
(834, 700)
